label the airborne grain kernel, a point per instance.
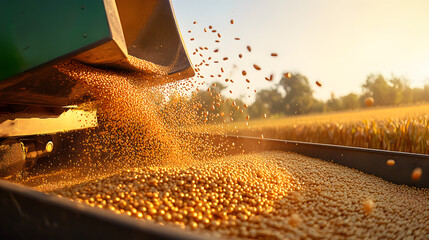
(416, 174)
(369, 101)
(390, 162)
(256, 67)
(287, 75)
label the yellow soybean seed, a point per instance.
(390, 162)
(416, 174)
(368, 205)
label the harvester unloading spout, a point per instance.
(36, 99)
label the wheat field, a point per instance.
(404, 128)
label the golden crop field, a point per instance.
(403, 128)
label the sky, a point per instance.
(336, 42)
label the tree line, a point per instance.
(294, 96)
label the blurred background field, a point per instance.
(388, 114)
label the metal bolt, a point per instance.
(49, 146)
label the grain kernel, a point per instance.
(416, 174)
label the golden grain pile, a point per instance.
(272, 195)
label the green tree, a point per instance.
(299, 96)
(418, 94)
(267, 101)
(425, 94)
(376, 87)
(334, 104)
(350, 101)
(317, 106)
(400, 91)
(387, 92)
